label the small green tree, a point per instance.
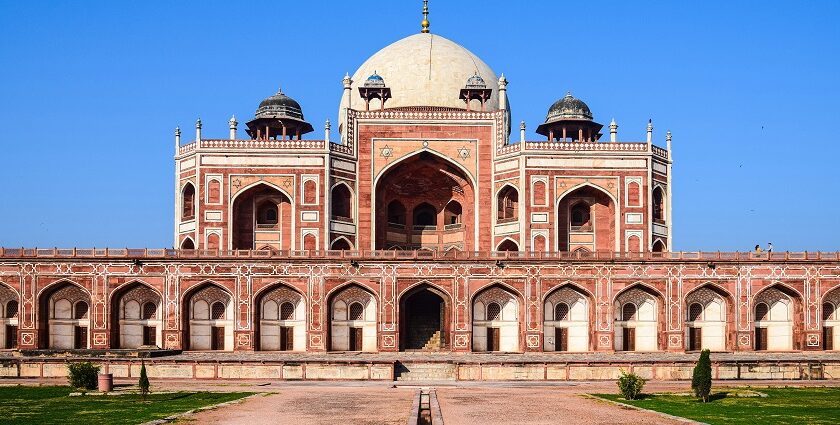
(701, 380)
(630, 385)
(83, 375)
(144, 380)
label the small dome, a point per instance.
(568, 108)
(476, 82)
(375, 80)
(279, 106)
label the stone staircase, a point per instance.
(426, 338)
(425, 371)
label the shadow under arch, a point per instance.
(590, 307)
(330, 297)
(114, 308)
(186, 308)
(257, 304)
(661, 340)
(425, 310)
(44, 296)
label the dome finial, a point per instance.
(425, 23)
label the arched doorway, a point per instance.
(567, 318)
(495, 320)
(707, 311)
(207, 319)
(353, 322)
(9, 307)
(637, 319)
(831, 320)
(64, 316)
(586, 219)
(262, 217)
(424, 319)
(414, 205)
(136, 317)
(774, 311)
(281, 324)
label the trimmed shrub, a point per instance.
(83, 375)
(144, 380)
(630, 385)
(701, 379)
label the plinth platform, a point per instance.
(425, 366)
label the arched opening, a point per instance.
(507, 205)
(424, 319)
(135, 317)
(452, 215)
(396, 215)
(188, 202)
(353, 312)
(64, 317)
(262, 216)
(831, 320)
(774, 311)
(580, 217)
(508, 245)
(658, 246)
(425, 217)
(414, 206)
(496, 320)
(281, 324)
(637, 319)
(567, 318)
(586, 219)
(342, 206)
(658, 204)
(207, 318)
(708, 310)
(9, 307)
(187, 243)
(341, 244)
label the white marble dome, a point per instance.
(425, 70)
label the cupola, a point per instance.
(278, 117)
(569, 119)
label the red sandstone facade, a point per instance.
(423, 228)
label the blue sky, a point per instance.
(90, 93)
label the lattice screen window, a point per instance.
(761, 311)
(628, 312)
(149, 311)
(81, 310)
(287, 311)
(694, 312)
(12, 309)
(561, 312)
(217, 312)
(357, 312)
(494, 311)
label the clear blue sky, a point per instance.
(90, 93)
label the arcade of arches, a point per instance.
(425, 202)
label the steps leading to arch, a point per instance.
(425, 371)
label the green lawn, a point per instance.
(40, 405)
(781, 406)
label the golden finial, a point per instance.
(425, 23)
